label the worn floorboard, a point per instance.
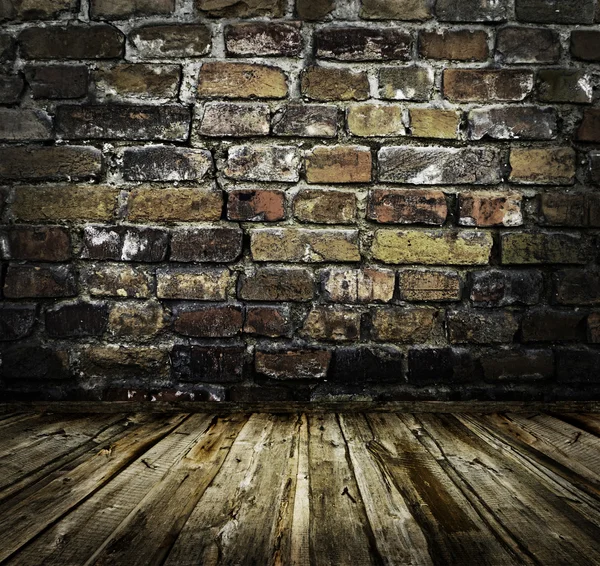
(274, 489)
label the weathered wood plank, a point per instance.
(520, 503)
(454, 531)
(299, 536)
(51, 447)
(340, 532)
(562, 487)
(576, 453)
(147, 534)
(244, 517)
(398, 536)
(75, 538)
(585, 421)
(26, 519)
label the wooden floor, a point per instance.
(274, 489)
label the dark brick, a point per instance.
(364, 364)
(577, 366)
(123, 9)
(497, 288)
(19, 10)
(162, 163)
(515, 122)
(413, 206)
(256, 205)
(277, 284)
(77, 320)
(518, 364)
(459, 45)
(124, 243)
(208, 321)
(332, 324)
(528, 45)
(171, 40)
(471, 11)
(21, 124)
(11, 88)
(542, 247)
(50, 163)
(128, 363)
(403, 325)
(292, 364)
(272, 321)
(95, 41)
(478, 327)
(243, 9)
(7, 48)
(560, 209)
(36, 243)
(16, 321)
(555, 11)
(210, 364)
(362, 44)
(131, 122)
(214, 244)
(269, 393)
(206, 284)
(585, 44)
(57, 81)
(577, 287)
(564, 85)
(594, 167)
(260, 39)
(307, 120)
(589, 129)
(429, 285)
(314, 9)
(483, 85)
(554, 326)
(440, 365)
(33, 363)
(110, 280)
(28, 281)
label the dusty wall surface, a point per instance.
(264, 200)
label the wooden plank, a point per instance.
(454, 531)
(245, 516)
(75, 538)
(9, 419)
(147, 534)
(340, 532)
(26, 519)
(570, 494)
(33, 474)
(569, 450)
(398, 536)
(299, 536)
(585, 421)
(44, 450)
(519, 502)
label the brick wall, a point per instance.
(264, 200)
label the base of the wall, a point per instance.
(279, 407)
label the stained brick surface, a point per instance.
(268, 200)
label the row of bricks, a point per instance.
(233, 120)
(491, 288)
(389, 324)
(544, 11)
(187, 366)
(285, 39)
(318, 83)
(336, 164)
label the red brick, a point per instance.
(256, 205)
(488, 208)
(208, 321)
(459, 45)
